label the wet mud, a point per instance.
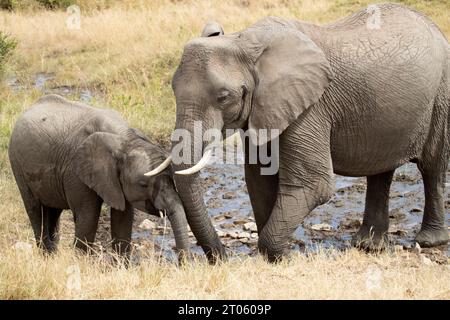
(328, 226)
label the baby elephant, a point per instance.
(68, 155)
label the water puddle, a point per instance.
(41, 83)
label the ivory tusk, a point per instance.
(159, 168)
(199, 166)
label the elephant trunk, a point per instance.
(178, 222)
(191, 193)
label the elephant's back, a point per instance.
(46, 124)
(387, 77)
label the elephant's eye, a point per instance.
(223, 96)
(143, 183)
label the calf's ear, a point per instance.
(96, 164)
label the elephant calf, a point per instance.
(67, 155)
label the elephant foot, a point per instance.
(368, 239)
(273, 255)
(431, 237)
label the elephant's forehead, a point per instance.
(206, 49)
(139, 155)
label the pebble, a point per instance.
(338, 203)
(398, 232)
(242, 235)
(396, 214)
(232, 234)
(219, 217)
(229, 195)
(230, 214)
(416, 210)
(221, 233)
(227, 225)
(322, 227)
(147, 225)
(254, 235)
(250, 226)
(352, 224)
(417, 249)
(425, 260)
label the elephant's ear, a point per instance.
(96, 164)
(212, 29)
(292, 73)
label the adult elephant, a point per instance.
(358, 97)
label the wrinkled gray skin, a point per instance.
(67, 155)
(348, 100)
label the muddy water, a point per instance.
(330, 225)
(41, 83)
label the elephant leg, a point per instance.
(373, 232)
(86, 207)
(51, 217)
(305, 181)
(34, 211)
(262, 189)
(433, 165)
(433, 231)
(121, 227)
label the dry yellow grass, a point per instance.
(126, 54)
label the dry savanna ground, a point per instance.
(124, 54)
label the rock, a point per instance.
(242, 235)
(232, 234)
(254, 236)
(338, 203)
(239, 222)
(396, 194)
(147, 225)
(425, 260)
(219, 217)
(416, 210)
(227, 225)
(23, 246)
(322, 227)
(398, 232)
(351, 224)
(229, 195)
(160, 231)
(416, 249)
(250, 226)
(221, 233)
(233, 243)
(230, 214)
(396, 214)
